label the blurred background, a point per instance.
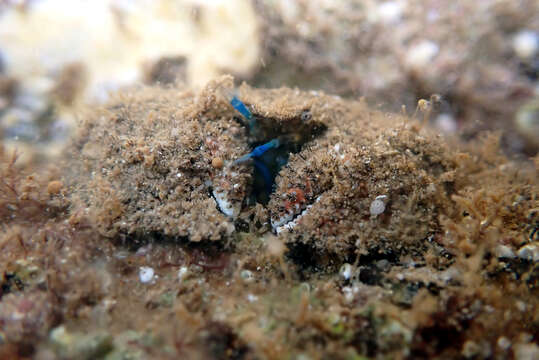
(481, 57)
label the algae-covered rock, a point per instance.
(25, 318)
(371, 181)
(147, 158)
(432, 244)
(69, 345)
(163, 161)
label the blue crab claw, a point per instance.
(258, 151)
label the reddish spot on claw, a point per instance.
(298, 197)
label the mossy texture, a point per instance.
(436, 241)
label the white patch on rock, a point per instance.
(504, 251)
(182, 273)
(529, 252)
(287, 221)
(446, 123)
(290, 223)
(277, 223)
(346, 271)
(226, 206)
(525, 44)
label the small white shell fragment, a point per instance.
(146, 274)
(182, 272)
(378, 206)
(346, 271)
(390, 11)
(247, 275)
(450, 274)
(529, 252)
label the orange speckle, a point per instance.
(54, 187)
(217, 163)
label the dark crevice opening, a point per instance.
(293, 135)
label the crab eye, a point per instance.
(306, 116)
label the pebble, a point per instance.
(146, 274)
(54, 187)
(383, 265)
(346, 271)
(378, 206)
(470, 349)
(247, 275)
(217, 163)
(503, 343)
(527, 121)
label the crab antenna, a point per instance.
(237, 104)
(259, 151)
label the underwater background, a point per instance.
(269, 179)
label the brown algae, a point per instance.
(379, 239)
